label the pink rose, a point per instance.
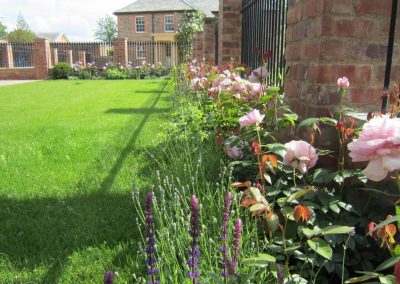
(378, 143)
(235, 152)
(255, 89)
(254, 79)
(225, 85)
(239, 87)
(196, 84)
(261, 72)
(343, 83)
(253, 117)
(300, 155)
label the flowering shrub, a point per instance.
(299, 222)
(111, 71)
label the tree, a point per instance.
(21, 23)
(3, 30)
(191, 24)
(22, 33)
(106, 29)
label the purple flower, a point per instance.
(109, 277)
(150, 249)
(224, 233)
(237, 232)
(194, 232)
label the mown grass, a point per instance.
(70, 153)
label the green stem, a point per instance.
(258, 156)
(344, 257)
(294, 177)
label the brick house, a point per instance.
(157, 20)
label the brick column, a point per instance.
(121, 51)
(198, 46)
(230, 31)
(55, 56)
(41, 57)
(209, 40)
(70, 57)
(9, 56)
(328, 39)
(82, 58)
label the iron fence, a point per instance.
(16, 55)
(99, 53)
(263, 30)
(167, 53)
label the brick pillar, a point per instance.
(9, 56)
(55, 56)
(41, 57)
(121, 51)
(209, 40)
(82, 58)
(70, 57)
(328, 39)
(198, 46)
(230, 31)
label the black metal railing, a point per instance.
(167, 53)
(16, 55)
(83, 53)
(263, 30)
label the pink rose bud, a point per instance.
(343, 83)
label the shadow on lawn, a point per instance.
(47, 231)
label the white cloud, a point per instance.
(76, 18)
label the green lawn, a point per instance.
(70, 153)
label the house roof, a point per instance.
(54, 37)
(206, 6)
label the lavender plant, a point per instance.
(224, 235)
(194, 251)
(150, 240)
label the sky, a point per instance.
(75, 18)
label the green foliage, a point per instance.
(21, 36)
(191, 24)
(22, 33)
(61, 70)
(106, 29)
(3, 29)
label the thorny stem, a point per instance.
(283, 231)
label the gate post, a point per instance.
(230, 31)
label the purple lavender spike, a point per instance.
(150, 249)
(194, 251)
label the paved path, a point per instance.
(13, 82)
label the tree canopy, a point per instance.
(22, 33)
(106, 29)
(3, 29)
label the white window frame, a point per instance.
(140, 52)
(141, 24)
(169, 23)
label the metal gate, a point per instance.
(263, 30)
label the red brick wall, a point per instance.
(18, 74)
(209, 41)
(230, 31)
(329, 39)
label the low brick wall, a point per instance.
(18, 74)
